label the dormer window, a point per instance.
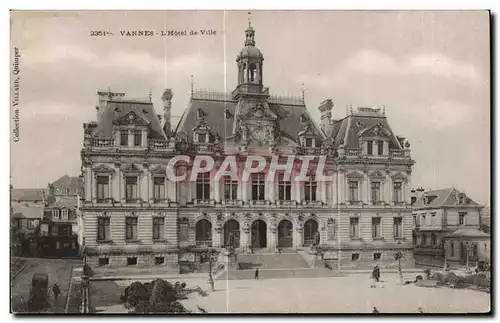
(369, 147)
(124, 138)
(309, 142)
(380, 146)
(137, 138)
(202, 138)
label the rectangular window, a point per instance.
(131, 189)
(102, 188)
(123, 138)
(398, 227)
(461, 218)
(158, 229)
(369, 147)
(137, 138)
(55, 214)
(354, 227)
(131, 228)
(65, 231)
(230, 189)
(376, 228)
(159, 260)
(424, 222)
(31, 224)
(159, 188)
(103, 230)
(103, 261)
(183, 229)
(353, 191)
(202, 138)
(310, 191)
(433, 219)
(380, 145)
(64, 214)
(397, 192)
(203, 186)
(284, 189)
(452, 249)
(375, 192)
(355, 256)
(309, 142)
(377, 256)
(258, 187)
(131, 261)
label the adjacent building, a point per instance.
(27, 207)
(447, 229)
(134, 216)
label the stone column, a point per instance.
(367, 198)
(386, 147)
(144, 138)
(408, 188)
(244, 190)
(244, 238)
(334, 190)
(94, 188)
(270, 190)
(215, 193)
(121, 179)
(88, 183)
(150, 179)
(387, 188)
(117, 137)
(342, 187)
(217, 241)
(130, 138)
(298, 240)
(272, 236)
(115, 184)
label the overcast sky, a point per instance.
(430, 69)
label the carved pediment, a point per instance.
(159, 170)
(103, 169)
(377, 130)
(355, 175)
(130, 168)
(202, 127)
(132, 118)
(377, 174)
(260, 111)
(399, 176)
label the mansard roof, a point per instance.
(214, 109)
(27, 194)
(116, 110)
(444, 197)
(346, 130)
(74, 184)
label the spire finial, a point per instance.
(249, 19)
(303, 92)
(192, 84)
(150, 95)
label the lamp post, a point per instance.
(212, 257)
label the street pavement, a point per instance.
(59, 272)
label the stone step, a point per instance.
(271, 261)
(280, 273)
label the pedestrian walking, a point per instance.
(256, 274)
(376, 272)
(56, 290)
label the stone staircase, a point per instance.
(288, 259)
(279, 273)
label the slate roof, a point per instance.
(290, 124)
(74, 184)
(443, 197)
(20, 210)
(27, 194)
(116, 109)
(352, 124)
(69, 202)
(469, 233)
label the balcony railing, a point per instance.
(208, 147)
(102, 143)
(156, 144)
(353, 152)
(397, 153)
(204, 243)
(107, 200)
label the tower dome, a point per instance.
(250, 60)
(250, 50)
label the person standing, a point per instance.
(376, 272)
(256, 274)
(56, 290)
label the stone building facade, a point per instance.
(133, 215)
(447, 228)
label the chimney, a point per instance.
(167, 107)
(419, 193)
(104, 97)
(325, 108)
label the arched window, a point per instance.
(433, 240)
(203, 233)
